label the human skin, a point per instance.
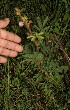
(8, 42)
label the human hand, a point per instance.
(8, 42)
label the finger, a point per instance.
(3, 60)
(4, 23)
(9, 36)
(11, 45)
(7, 52)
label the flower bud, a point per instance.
(20, 23)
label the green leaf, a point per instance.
(47, 90)
(65, 1)
(57, 24)
(33, 39)
(28, 56)
(65, 68)
(36, 27)
(45, 21)
(39, 22)
(66, 17)
(69, 101)
(40, 33)
(39, 57)
(56, 30)
(40, 37)
(22, 10)
(30, 37)
(39, 78)
(23, 0)
(46, 29)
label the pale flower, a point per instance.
(20, 23)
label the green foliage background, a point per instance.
(38, 78)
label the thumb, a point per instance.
(4, 23)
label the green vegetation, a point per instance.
(39, 77)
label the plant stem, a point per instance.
(64, 53)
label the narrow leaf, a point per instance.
(45, 21)
(39, 22)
